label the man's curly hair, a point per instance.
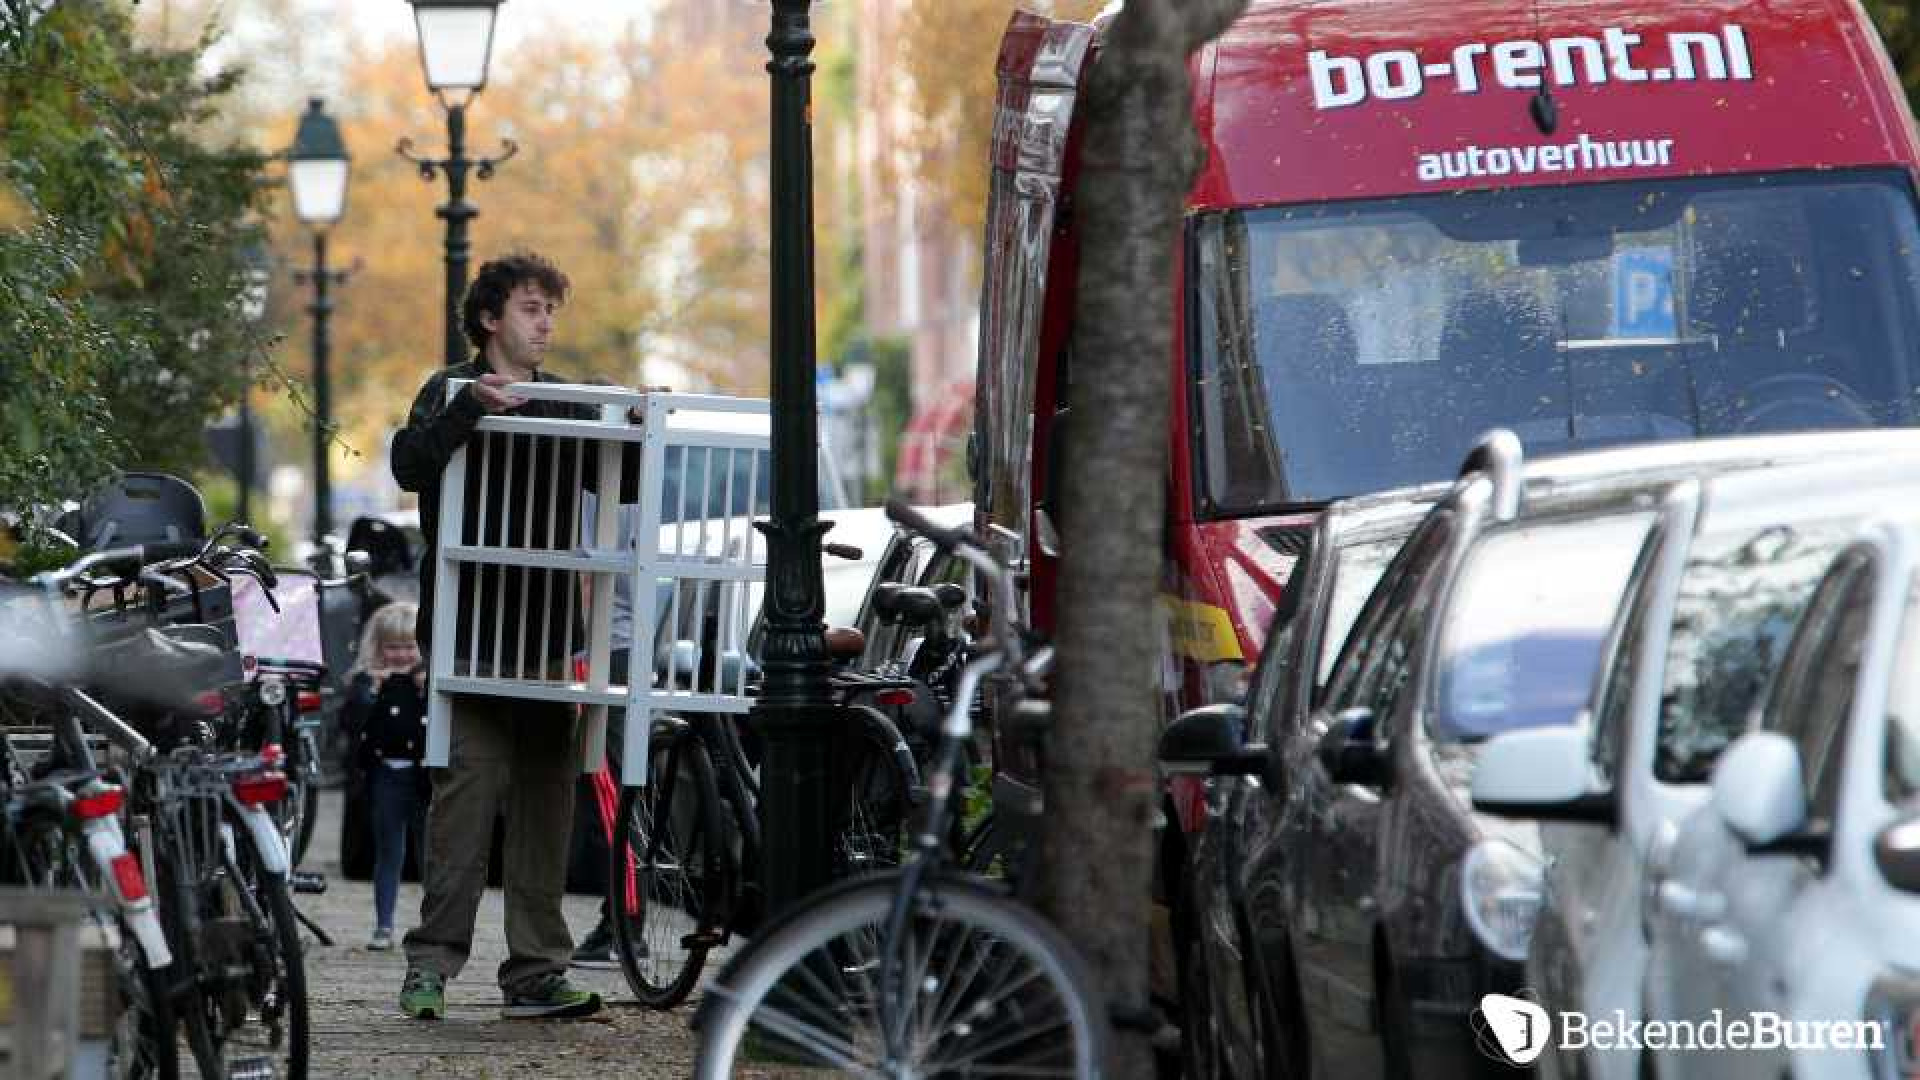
(495, 283)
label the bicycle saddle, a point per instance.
(845, 643)
(916, 605)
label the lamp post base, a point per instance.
(798, 772)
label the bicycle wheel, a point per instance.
(880, 793)
(250, 1020)
(145, 1043)
(989, 990)
(670, 880)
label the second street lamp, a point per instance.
(317, 168)
(456, 44)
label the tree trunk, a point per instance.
(1139, 159)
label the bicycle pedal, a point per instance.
(308, 882)
(703, 939)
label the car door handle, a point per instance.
(1724, 946)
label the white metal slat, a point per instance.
(608, 481)
(646, 597)
(720, 582)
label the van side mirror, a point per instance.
(1210, 740)
(1757, 788)
(1348, 751)
(1896, 851)
(1540, 773)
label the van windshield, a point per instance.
(1349, 347)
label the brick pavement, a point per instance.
(359, 1031)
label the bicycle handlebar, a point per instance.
(946, 540)
(123, 559)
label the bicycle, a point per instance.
(917, 972)
(686, 847)
(198, 806)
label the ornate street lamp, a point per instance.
(796, 712)
(317, 167)
(456, 43)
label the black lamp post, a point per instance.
(796, 712)
(456, 42)
(317, 168)
(253, 306)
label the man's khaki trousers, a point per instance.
(517, 757)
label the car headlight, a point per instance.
(1501, 890)
(272, 691)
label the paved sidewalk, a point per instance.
(359, 1031)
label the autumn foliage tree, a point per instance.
(641, 173)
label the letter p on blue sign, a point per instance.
(1643, 293)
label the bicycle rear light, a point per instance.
(100, 803)
(126, 874)
(255, 789)
(897, 696)
(308, 700)
(210, 703)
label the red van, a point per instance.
(1598, 222)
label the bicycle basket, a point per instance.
(291, 635)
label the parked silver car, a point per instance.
(1726, 570)
(1795, 893)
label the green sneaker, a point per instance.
(550, 998)
(423, 995)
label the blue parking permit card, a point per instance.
(1643, 293)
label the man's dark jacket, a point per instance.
(530, 501)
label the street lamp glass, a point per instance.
(456, 41)
(317, 167)
(319, 190)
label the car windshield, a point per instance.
(1521, 645)
(1348, 347)
(1740, 597)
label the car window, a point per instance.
(1381, 613)
(1623, 670)
(1740, 596)
(1356, 570)
(1902, 769)
(1520, 645)
(898, 563)
(1397, 659)
(1815, 688)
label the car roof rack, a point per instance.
(1498, 455)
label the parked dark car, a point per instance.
(1349, 548)
(1352, 905)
